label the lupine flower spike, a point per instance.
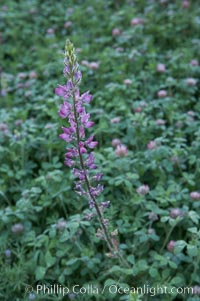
(79, 155)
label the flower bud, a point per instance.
(61, 225)
(196, 290)
(50, 31)
(127, 81)
(136, 21)
(115, 120)
(151, 145)
(32, 296)
(8, 253)
(67, 24)
(160, 122)
(116, 32)
(151, 231)
(121, 150)
(194, 63)
(161, 68)
(142, 190)
(191, 81)
(17, 228)
(116, 142)
(185, 4)
(32, 74)
(94, 65)
(176, 212)
(153, 217)
(162, 93)
(138, 110)
(85, 63)
(171, 245)
(195, 195)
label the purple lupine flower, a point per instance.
(90, 143)
(68, 134)
(68, 162)
(105, 204)
(86, 97)
(78, 76)
(73, 108)
(97, 177)
(95, 191)
(90, 161)
(81, 132)
(78, 152)
(62, 91)
(82, 149)
(65, 109)
(85, 120)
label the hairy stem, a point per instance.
(100, 216)
(108, 239)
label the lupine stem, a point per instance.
(79, 120)
(108, 239)
(109, 242)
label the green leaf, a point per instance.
(153, 272)
(35, 190)
(135, 271)
(179, 246)
(40, 272)
(121, 270)
(109, 282)
(193, 230)
(194, 216)
(131, 259)
(142, 265)
(49, 259)
(173, 265)
(72, 261)
(177, 281)
(192, 250)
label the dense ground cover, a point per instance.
(139, 59)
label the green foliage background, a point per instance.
(36, 189)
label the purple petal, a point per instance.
(67, 130)
(69, 85)
(69, 162)
(71, 152)
(89, 139)
(86, 97)
(98, 177)
(66, 69)
(64, 110)
(77, 94)
(79, 107)
(89, 124)
(81, 132)
(61, 90)
(85, 118)
(92, 144)
(78, 76)
(83, 150)
(65, 137)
